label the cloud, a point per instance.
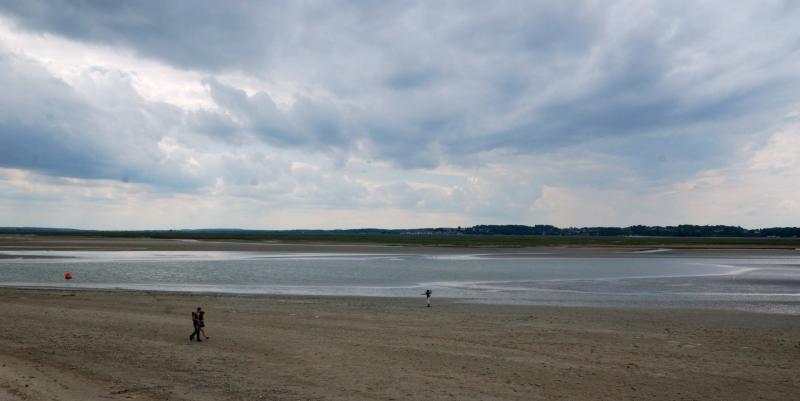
(419, 91)
(313, 123)
(756, 191)
(210, 35)
(478, 112)
(98, 128)
(780, 154)
(45, 125)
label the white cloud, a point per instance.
(782, 152)
(583, 207)
(71, 61)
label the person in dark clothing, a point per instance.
(196, 324)
(427, 295)
(201, 318)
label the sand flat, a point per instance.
(10, 243)
(134, 345)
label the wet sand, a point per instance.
(11, 243)
(114, 345)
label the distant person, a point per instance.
(201, 318)
(427, 295)
(196, 324)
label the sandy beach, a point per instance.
(121, 345)
(94, 345)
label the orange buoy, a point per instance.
(68, 276)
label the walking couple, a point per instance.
(198, 320)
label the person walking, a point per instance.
(427, 295)
(201, 318)
(196, 324)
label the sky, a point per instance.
(395, 114)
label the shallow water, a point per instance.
(765, 284)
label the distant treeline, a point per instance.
(684, 230)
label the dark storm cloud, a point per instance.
(202, 34)
(42, 123)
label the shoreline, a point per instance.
(66, 345)
(385, 298)
(419, 299)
